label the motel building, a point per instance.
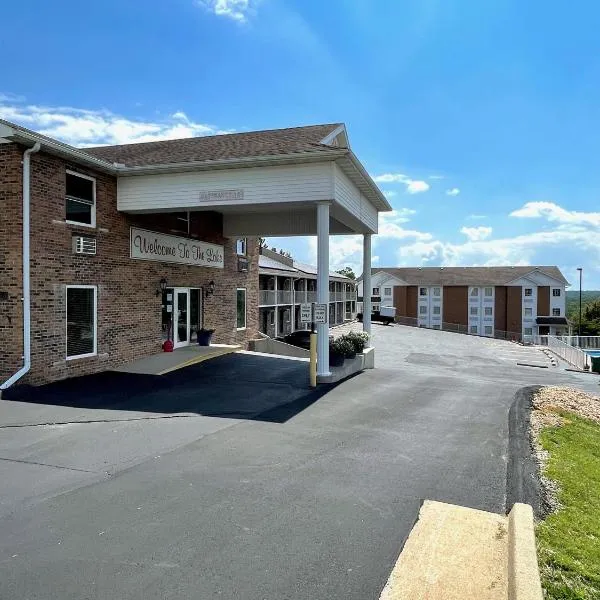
(510, 302)
(107, 252)
(285, 283)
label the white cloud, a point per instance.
(476, 217)
(389, 193)
(555, 213)
(453, 192)
(475, 234)
(413, 186)
(438, 177)
(237, 10)
(83, 127)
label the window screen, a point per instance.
(241, 308)
(81, 321)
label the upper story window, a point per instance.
(387, 291)
(528, 312)
(241, 246)
(529, 291)
(556, 292)
(422, 291)
(475, 292)
(437, 291)
(488, 292)
(80, 205)
(376, 291)
(556, 312)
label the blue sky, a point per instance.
(480, 120)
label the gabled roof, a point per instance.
(272, 142)
(269, 265)
(476, 276)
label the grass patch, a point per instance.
(569, 540)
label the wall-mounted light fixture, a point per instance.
(163, 286)
(210, 289)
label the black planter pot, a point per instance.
(336, 360)
(204, 337)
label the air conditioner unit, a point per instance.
(84, 244)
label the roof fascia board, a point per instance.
(29, 138)
(329, 138)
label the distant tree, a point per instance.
(347, 272)
(262, 242)
(590, 322)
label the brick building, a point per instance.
(508, 302)
(130, 245)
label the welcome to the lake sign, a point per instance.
(150, 245)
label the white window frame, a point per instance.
(475, 292)
(437, 292)
(423, 309)
(555, 294)
(91, 225)
(421, 295)
(528, 295)
(474, 311)
(84, 287)
(485, 292)
(554, 311)
(526, 329)
(528, 311)
(243, 242)
(436, 309)
(375, 307)
(488, 311)
(240, 289)
(474, 330)
(375, 291)
(488, 330)
(387, 291)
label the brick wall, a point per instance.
(129, 312)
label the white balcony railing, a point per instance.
(311, 296)
(267, 297)
(284, 297)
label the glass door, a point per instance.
(181, 318)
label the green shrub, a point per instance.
(343, 346)
(358, 340)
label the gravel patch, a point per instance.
(546, 402)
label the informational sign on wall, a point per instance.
(161, 247)
(320, 313)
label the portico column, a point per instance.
(323, 286)
(367, 285)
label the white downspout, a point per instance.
(26, 268)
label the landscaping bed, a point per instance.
(565, 434)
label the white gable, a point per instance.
(538, 278)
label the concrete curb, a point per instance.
(459, 553)
(523, 573)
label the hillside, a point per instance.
(586, 296)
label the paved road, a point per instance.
(172, 495)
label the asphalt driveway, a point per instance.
(308, 496)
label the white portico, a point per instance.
(298, 181)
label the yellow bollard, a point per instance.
(313, 359)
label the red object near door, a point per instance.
(168, 346)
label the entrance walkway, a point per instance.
(165, 362)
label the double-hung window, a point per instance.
(387, 291)
(488, 292)
(80, 202)
(241, 246)
(556, 292)
(241, 308)
(474, 292)
(81, 321)
(556, 312)
(422, 291)
(529, 292)
(376, 291)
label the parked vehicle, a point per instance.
(377, 316)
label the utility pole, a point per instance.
(580, 269)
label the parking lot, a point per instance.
(233, 479)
